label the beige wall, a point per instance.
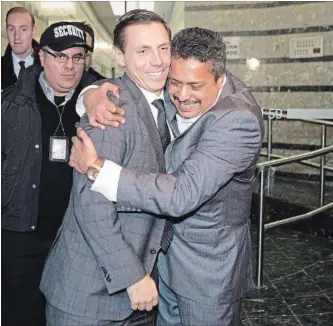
(176, 21)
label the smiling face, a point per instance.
(193, 88)
(146, 57)
(20, 33)
(62, 77)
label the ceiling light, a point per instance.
(57, 9)
(57, 5)
(120, 7)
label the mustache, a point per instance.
(186, 102)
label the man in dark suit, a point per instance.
(90, 40)
(207, 190)
(101, 267)
(21, 51)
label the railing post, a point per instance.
(260, 250)
(269, 153)
(322, 167)
(269, 138)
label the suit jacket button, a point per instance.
(152, 251)
(108, 278)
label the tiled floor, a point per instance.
(298, 282)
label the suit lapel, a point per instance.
(10, 77)
(145, 113)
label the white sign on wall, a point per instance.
(306, 47)
(233, 47)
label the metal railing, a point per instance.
(265, 169)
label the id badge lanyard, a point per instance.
(59, 145)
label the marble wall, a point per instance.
(263, 30)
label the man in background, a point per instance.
(19, 54)
(37, 120)
(90, 40)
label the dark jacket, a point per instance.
(21, 152)
(96, 74)
(8, 76)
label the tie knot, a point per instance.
(159, 104)
(22, 64)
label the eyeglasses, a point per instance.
(63, 58)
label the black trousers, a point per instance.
(22, 256)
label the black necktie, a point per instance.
(22, 65)
(164, 132)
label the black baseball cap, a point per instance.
(63, 35)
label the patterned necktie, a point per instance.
(164, 132)
(162, 125)
(22, 65)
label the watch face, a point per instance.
(92, 173)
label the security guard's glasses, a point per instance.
(63, 58)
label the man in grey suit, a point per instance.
(207, 191)
(101, 265)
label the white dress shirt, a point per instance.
(29, 61)
(111, 171)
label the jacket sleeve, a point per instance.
(98, 219)
(226, 148)
(9, 113)
(4, 138)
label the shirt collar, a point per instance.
(16, 59)
(225, 80)
(151, 97)
(49, 93)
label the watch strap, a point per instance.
(98, 163)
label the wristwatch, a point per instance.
(93, 170)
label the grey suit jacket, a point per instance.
(208, 193)
(98, 253)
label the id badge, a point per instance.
(59, 146)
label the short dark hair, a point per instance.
(203, 45)
(135, 17)
(20, 10)
(89, 30)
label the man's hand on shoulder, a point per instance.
(100, 110)
(143, 294)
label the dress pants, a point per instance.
(56, 317)
(23, 257)
(176, 310)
